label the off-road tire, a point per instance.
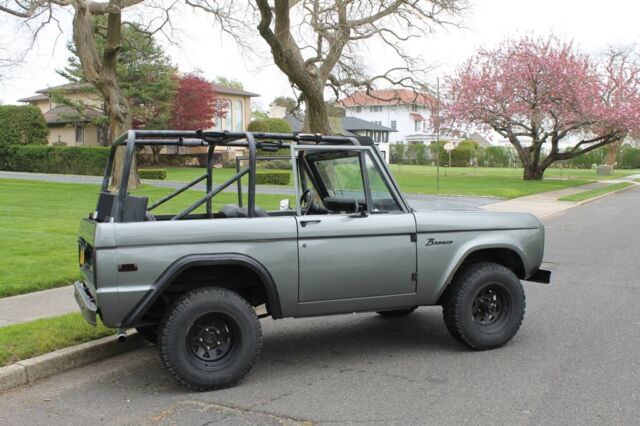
(468, 301)
(397, 312)
(149, 333)
(187, 361)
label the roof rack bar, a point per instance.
(177, 192)
(251, 195)
(210, 195)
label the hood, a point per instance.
(457, 221)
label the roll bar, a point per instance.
(210, 139)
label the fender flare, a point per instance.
(176, 268)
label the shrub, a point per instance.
(59, 143)
(270, 125)
(630, 158)
(152, 173)
(22, 125)
(53, 159)
(272, 178)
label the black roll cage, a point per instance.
(270, 142)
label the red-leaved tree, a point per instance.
(196, 104)
(539, 92)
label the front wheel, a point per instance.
(484, 306)
(209, 338)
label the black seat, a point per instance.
(233, 211)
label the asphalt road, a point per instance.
(417, 201)
(576, 359)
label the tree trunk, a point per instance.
(100, 72)
(316, 119)
(532, 172)
(612, 153)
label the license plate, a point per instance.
(81, 260)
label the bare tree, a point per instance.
(316, 43)
(99, 67)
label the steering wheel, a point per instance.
(306, 201)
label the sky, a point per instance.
(592, 25)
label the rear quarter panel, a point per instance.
(154, 246)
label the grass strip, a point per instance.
(580, 196)
(30, 339)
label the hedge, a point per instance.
(272, 178)
(270, 125)
(54, 159)
(152, 173)
(22, 125)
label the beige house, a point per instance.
(65, 125)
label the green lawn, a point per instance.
(493, 182)
(580, 196)
(39, 223)
(22, 341)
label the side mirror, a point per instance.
(284, 205)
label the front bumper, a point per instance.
(85, 301)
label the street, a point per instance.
(576, 359)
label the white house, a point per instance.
(403, 110)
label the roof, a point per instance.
(355, 123)
(68, 87)
(224, 90)
(416, 116)
(388, 97)
(349, 124)
(86, 87)
(65, 114)
(34, 98)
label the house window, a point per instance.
(79, 134)
(394, 124)
(414, 108)
(239, 117)
(385, 137)
(375, 108)
(358, 109)
(416, 125)
(226, 123)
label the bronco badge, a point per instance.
(434, 242)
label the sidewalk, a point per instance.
(547, 203)
(41, 304)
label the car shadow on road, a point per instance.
(321, 344)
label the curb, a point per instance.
(30, 370)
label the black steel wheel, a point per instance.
(209, 338)
(484, 306)
(397, 312)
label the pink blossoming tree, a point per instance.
(538, 92)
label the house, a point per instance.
(349, 126)
(67, 126)
(403, 110)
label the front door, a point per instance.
(342, 256)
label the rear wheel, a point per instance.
(484, 306)
(397, 312)
(209, 338)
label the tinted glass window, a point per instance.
(342, 177)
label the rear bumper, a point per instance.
(541, 276)
(85, 301)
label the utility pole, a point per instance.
(438, 134)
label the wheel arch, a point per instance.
(190, 262)
(508, 255)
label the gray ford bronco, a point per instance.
(191, 281)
